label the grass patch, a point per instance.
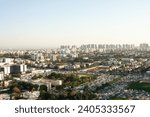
(140, 86)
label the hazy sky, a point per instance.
(50, 23)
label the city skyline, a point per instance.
(47, 23)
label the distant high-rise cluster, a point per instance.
(143, 46)
(108, 46)
(68, 46)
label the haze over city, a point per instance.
(75, 50)
(47, 23)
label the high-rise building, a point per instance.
(14, 69)
(144, 46)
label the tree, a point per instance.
(16, 93)
(43, 95)
(43, 88)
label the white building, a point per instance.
(54, 57)
(4, 61)
(5, 70)
(23, 68)
(56, 82)
(1, 76)
(37, 56)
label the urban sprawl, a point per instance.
(88, 72)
